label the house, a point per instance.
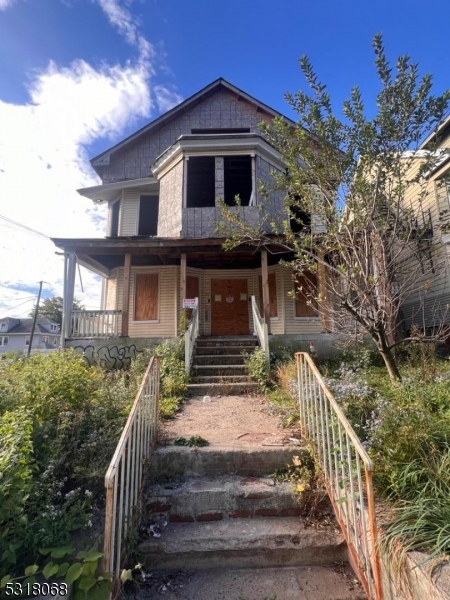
(428, 305)
(160, 186)
(15, 334)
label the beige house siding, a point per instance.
(425, 304)
(170, 301)
(129, 212)
(110, 293)
(166, 325)
(293, 324)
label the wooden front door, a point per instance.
(229, 307)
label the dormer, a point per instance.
(201, 167)
(7, 324)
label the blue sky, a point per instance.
(76, 76)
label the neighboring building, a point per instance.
(428, 306)
(161, 185)
(15, 334)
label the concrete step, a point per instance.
(220, 378)
(220, 350)
(252, 461)
(226, 497)
(282, 583)
(218, 359)
(224, 342)
(219, 371)
(243, 543)
(222, 388)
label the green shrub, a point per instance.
(60, 421)
(257, 367)
(173, 376)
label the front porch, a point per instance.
(146, 282)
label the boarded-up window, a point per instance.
(305, 288)
(146, 295)
(272, 295)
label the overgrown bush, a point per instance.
(173, 376)
(60, 421)
(257, 367)
(406, 430)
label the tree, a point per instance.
(52, 308)
(346, 188)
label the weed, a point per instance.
(257, 367)
(195, 441)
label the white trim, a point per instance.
(110, 208)
(250, 145)
(108, 191)
(2, 340)
(147, 272)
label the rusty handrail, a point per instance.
(347, 468)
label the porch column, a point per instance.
(126, 294)
(322, 287)
(265, 289)
(183, 264)
(70, 262)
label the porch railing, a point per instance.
(190, 338)
(127, 469)
(261, 330)
(94, 323)
(347, 470)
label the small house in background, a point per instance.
(15, 334)
(161, 248)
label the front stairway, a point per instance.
(219, 365)
(220, 522)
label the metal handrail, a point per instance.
(127, 470)
(347, 469)
(191, 337)
(94, 323)
(261, 330)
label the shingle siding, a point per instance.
(221, 109)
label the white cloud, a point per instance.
(4, 4)
(166, 97)
(43, 160)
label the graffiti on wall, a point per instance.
(110, 357)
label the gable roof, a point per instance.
(103, 158)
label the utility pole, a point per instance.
(36, 310)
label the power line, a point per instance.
(29, 229)
(21, 304)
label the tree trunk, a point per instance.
(388, 357)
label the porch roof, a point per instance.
(103, 255)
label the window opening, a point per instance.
(4, 340)
(115, 210)
(148, 215)
(299, 219)
(218, 131)
(237, 179)
(201, 189)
